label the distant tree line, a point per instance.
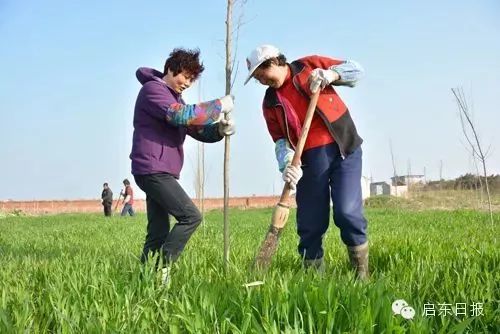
(465, 182)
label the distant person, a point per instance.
(107, 199)
(161, 122)
(128, 199)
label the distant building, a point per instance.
(380, 188)
(384, 188)
(399, 191)
(365, 187)
(407, 180)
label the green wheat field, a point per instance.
(81, 274)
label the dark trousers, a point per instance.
(127, 208)
(107, 210)
(328, 176)
(164, 197)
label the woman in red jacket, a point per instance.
(332, 156)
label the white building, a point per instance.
(380, 188)
(407, 180)
(384, 188)
(365, 187)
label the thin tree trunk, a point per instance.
(487, 190)
(441, 175)
(202, 209)
(478, 180)
(409, 180)
(226, 139)
(200, 169)
(394, 169)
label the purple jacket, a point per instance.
(161, 122)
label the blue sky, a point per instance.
(68, 87)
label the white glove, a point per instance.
(227, 103)
(292, 175)
(226, 127)
(321, 78)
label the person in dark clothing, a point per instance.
(107, 199)
(161, 122)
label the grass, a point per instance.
(80, 274)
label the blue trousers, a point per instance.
(127, 208)
(327, 176)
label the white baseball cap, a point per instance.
(258, 56)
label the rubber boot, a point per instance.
(358, 256)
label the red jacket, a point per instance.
(282, 121)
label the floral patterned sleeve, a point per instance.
(163, 105)
(284, 153)
(204, 113)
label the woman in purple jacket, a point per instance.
(161, 122)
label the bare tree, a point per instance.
(202, 179)
(229, 19)
(475, 145)
(394, 169)
(478, 184)
(230, 63)
(440, 174)
(199, 181)
(200, 170)
(408, 176)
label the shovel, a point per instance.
(118, 200)
(280, 214)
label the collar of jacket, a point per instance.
(271, 98)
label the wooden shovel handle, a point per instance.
(118, 200)
(302, 140)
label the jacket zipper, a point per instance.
(286, 122)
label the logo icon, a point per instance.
(401, 307)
